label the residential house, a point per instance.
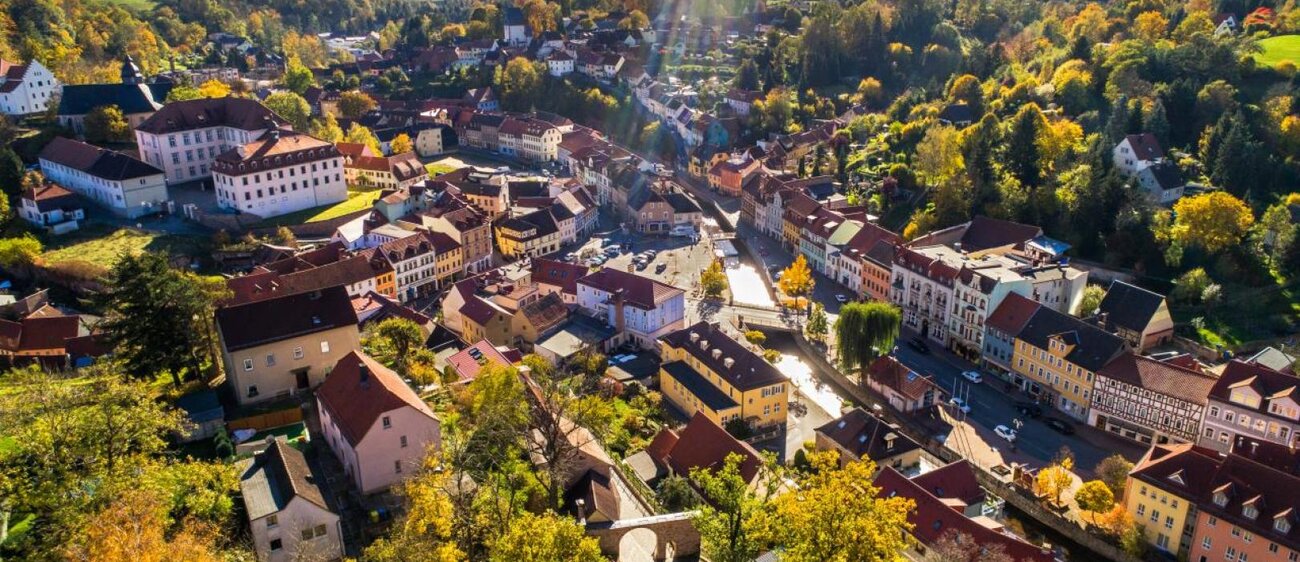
(483, 99)
(704, 370)
(279, 173)
(1248, 508)
(858, 435)
(325, 267)
(1150, 401)
(640, 309)
(362, 167)
(532, 235)
(730, 175)
(959, 115)
(701, 445)
(52, 207)
(1135, 153)
(136, 99)
(45, 337)
(488, 300)
(530, 139)
(1057, 356)
(558, 277)
(742, 101)
(906, 390)
(377, 427)
(184, 138)
(288, 514)
(1000, 331)
(124, 185)
(469, 362)
(1224, 24)
(538, 319)
(515, 27)
(1252, 400)
(1139, 316)
(374, 308)
(559, 64)
(415, 262)
(26, 89)
(277, 347)
(1162, 182)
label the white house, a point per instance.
(530, 139)
(1137, 152)
(1162, 182)
(639, 308)
(515, 32)
(185, 137)
(281, 172)
(414, 259)
(52, 207)
(379, 429)
(559, 64)
(124, 185)
(287, 513)
(26, 88)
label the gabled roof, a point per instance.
(275, 319)
(1129, 306)
(1145, 146)
(867, 436)
(546, 313)
(240, 113)
(888, 371)
(985, 233)
(95, 161)
(958, 113)
(562, 274)
(638, 291)
(274, 477)
(1012, 314)
(469, 361)
(747, 371)
(1268, 383)
(1160, 377)
(359, 390)
(132, 99)
(705, 445)
(1093, 347)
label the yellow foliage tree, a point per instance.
(938, 156)
(214, 89)
(425, 531)
(1214, 221)
(402, 144)
(797, 280)
(1150, 26)
(1056, 479)
(134, 528)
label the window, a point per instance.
(276, 545)
(248, 364)
(252, 391)
(306, 534)
(388, 422)
(1230, 553)
(1272, 547)
(1142, 510)
(297, 352)
(1169, 522)
(272, 521)
(324, 347)
(319, 530)
(397, 467)
(270, 360)
(403, 440)
(1205, 543)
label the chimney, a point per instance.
(363, 373)
(619, 321)
(704, 344)
(728, 362)
(717, 353)
(694, 337)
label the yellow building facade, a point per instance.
(704, 370)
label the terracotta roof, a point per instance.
(262, 285)
(51, 196)
(1160, 377)
(955, 480)
(747, 371)
(546, 313)
(985, 233)
(240, 113)
(867, 436)
(359, 390)
(562, 274)
(1012, 314)
(705, 445)
(275, 149)
(638, 291)
(280, 318)
(1145, 146)
(1269, 384)
(38, 333)
(888, 371)
(469, 361)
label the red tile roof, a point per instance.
(1012, 314)
(467, 366)
(354, 402)
(638, 291)
(1160, 377)
(888, 371)
(564, 275)
(706, 445)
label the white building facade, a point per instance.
(184, 138)
(26, 89)
(279, 174)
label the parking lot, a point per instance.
(678, 260)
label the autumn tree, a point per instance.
(355, 103)
(545, 538)
(818, 325)
(519, 83)
(1150, 26)
(774, 113)
(1114, 471)
(393, 342)
(327, 129)
(1213, 221)
(1094, 496)
(106, 123)
(838, 516)
(939, 155)
(1056, 479)
(402, 144)
(865, 331)
(1091, 301)
(956, 546)
(1274, 233)
(730, 521)
(360, 134)
(297, 77)
(19, 251)
(292, 107)
(563, 423)
(713, 280)
(424, 531)
(135, 527)
(797, 280)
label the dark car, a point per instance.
(1060, 426)
(919, 345)
(1029, 409)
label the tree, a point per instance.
(747, 75)
(1150, 26)
(1094, 496)
(1213, 221)
(675, 494)
(755, 337)
(425, 529)
(563, 423)
(817, 327)
(355, 103)
(545, 538)
(956, 546)
(327, 129)
(1274, 234)
(393, 341)
(1023, 152)
(636, 19)
(713, 281)
(939, 155)
(838, 516)
(150, 315)
(870, 92)
(774, 113)
(797, 280)
(292, 107)
(1114, 471)
(134, 526)
(20, 251)
(214, 89)
(864, 331)
(1091, 301)
(520, 84)
(1056, 479)
(297, 78)
(402, 144)
(1191, 285)
(360, 134)
(729, 522)
(106, 123)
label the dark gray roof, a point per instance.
(273, 477)
(1129, 307)
(271, 320)
(698, 386)
(681, 203)
(957, 113)
(1165, 174)
(747, 371)
(201, 406)
(241, 113)
(96, 161)
(867, 436)
(130, 98)
(513, 16)
(1093, 347)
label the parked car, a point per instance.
(959, 404)
(570, 256)
(1060, 426)
(841, 298)
(1030, 409)
(973, 376)
(612, 251)
(919, 345)
(640, 266)
(661, 267)
(1005, 433)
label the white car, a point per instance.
(973, 376)
(959, 404)
(1005, 433)
(841, 299)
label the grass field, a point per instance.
(1278, 49)
(357, 200)
(438, 169)
(101, 244)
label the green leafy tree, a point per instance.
(1114, 471)
(151, 311)
(545, 538)
(520, 84)
(292, 107)
(360, 134)
(747, 75)
(713, 281)
(730, 521)
(1091, 301)
(818, 326)
(106, 123)
(1094, 496)
(19, 251)
(864, 331)
(327, 129)
(675, 494)
(393, 342)
(297, 78)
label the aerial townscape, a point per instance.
(650, 280)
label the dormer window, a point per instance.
(1250, 511)
(1220, 499)
(1282, 525)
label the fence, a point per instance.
(268, 420)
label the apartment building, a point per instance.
(124, 185)
(1253, 401)
(706, 371)
(640, 309)
(532, 235)
(414, 262)
(1056, 358)
(280, 172)
(1151, 401)
(362, 167)
(529, 139)
(184, 138)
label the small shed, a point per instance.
(205, 415)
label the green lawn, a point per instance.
(1246, 316)
(1278, 49)
(357, 201)
(102, 244)
(438, 169)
